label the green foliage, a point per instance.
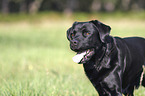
(35, 59)
(81, 16)
(34, 6)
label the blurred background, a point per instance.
(69, 6)
(35, 59)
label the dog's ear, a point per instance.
(104, 30)
(68, 33)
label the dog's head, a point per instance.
(87, 37)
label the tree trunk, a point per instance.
(126, 4)
(96, 5)
(109, 6)
(141, 3)
(23, 6)
(34, 6)
(71, 6)
(5, 6)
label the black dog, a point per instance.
(113, 65)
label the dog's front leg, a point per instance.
(110, 85)
(103, 90)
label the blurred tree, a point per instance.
(14, 6)
(23, 6)
(55, 5)
(34, 6)
(5, 6)
(96, 5)
(109, 5)
(138, 4)
(69, 6)
(126, 4)
(85, 6)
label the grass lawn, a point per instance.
(35, 59)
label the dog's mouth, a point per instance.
(84, 56)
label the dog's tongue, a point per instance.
(79, 57)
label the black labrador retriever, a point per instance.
(113, 65)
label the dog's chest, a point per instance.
(96, 71)
(91, 72)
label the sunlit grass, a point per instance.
(35, 58)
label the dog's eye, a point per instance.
(72, 34)
(86, 33)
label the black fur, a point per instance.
(117, 65)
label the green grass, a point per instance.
(35, 59)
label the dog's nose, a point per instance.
(75, 42)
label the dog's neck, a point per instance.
(101, 58)
(100, 64)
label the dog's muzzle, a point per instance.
(83, 57)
